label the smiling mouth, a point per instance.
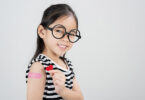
(61, 46)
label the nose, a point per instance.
(65, 38)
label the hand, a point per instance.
(58, 80)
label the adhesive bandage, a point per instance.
(34, 75)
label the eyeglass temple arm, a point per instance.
(49, 28)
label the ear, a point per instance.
(41, 31)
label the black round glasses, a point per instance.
(59, 31)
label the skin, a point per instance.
(53, 51)
(51, 48)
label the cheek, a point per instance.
(51, 38)
(50, 41)
(70, 46)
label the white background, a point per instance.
(109, 60)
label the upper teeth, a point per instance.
(62, 46)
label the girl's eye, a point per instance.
(59, 31)
(73, 33)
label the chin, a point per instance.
(60, 54)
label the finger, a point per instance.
(52, 72)
(61, 75)
(57, 76)
(57, 82)
(59, 79)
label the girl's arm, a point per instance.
(35, 85)
(74, 94)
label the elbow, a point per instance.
(81, 97)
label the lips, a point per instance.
(62, 46)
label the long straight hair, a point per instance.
(50, 15)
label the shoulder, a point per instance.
(36, 66)
(36, 63)
(69, 62)
(70, 65)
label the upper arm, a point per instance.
(35, 86)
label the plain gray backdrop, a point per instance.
(109, 60)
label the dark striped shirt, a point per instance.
(49, 91)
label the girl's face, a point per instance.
(59, 46)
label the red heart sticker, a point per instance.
(50, 67)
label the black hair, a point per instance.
(50, 15)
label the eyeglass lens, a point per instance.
(59, 32)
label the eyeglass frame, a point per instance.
(66, 33)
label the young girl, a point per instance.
(50, 74)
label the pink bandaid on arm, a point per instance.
(34, 75)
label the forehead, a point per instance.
(68, 22)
